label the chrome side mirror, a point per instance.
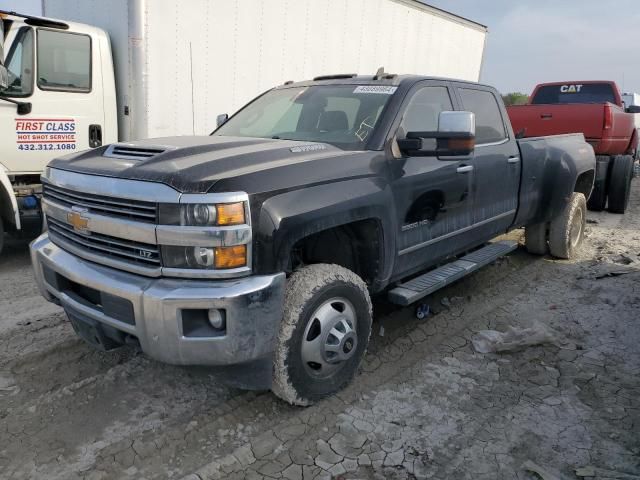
(456, 136)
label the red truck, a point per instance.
(595, 109)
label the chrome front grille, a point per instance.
(119, 249)
(113, 207)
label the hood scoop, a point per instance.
(134, 152)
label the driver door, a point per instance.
(432, 197)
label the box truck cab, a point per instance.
(57, 97)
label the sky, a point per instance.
(533, 41)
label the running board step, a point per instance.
(412, 291)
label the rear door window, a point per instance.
(574, 93)
(64, 61)
(489, 124)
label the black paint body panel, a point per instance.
(294, 193)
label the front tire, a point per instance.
(323, 335)
(566, 231)
(620, 183)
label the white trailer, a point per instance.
(132, 69)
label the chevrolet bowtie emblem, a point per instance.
(77, 221)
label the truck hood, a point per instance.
(195, 164)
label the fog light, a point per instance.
(216, 319)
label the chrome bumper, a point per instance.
(253, 307)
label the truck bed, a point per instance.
(607, 136)
(541, 120)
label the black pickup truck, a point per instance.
(259, 246)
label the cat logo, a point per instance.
(570, 88)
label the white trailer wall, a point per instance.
(205, 57)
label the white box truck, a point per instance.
(133, 69)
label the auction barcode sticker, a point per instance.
(380, 89)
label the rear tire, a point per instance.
(535, 238)
(566, 231)
(597, 201)
(620, 183)
(323, 335)
(1, 235)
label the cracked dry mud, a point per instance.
(425, 405)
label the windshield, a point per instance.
(19, 65)
(342, 115)
(574, 93)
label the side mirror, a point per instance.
(456, 136)
(4, 75)
(633, 109)
(222, 119)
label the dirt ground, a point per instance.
(425, 404)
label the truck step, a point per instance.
(419, 287)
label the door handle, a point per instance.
(514, 160)
(546, 116)
(464, 169)
(95, 136)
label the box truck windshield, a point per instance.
(343, 116)
(19, 65)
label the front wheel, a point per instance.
(323, 335)
(566, 231)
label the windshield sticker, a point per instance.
(307, 148)
(570, 88)
(46, 133)
(379, 89)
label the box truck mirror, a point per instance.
(4, 75)
(221, 119)
(4, 78)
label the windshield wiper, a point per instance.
(24, 108)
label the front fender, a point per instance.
(288, 217)
(8, 202)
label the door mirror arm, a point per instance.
(24, 108)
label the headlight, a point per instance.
(203, 215)
(220, 258)
(199, 215)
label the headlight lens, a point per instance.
(187, 257)
(203, 258)
(199, 215)
(203, 215)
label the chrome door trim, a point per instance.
(418, 246)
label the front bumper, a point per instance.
(156, 318)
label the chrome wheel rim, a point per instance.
(576, 228)
(330, 338)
